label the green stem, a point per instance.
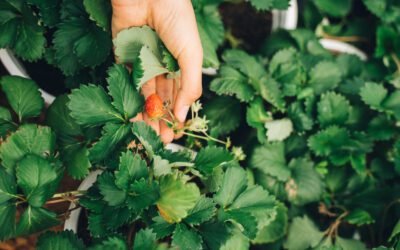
(181, 164)
(71, 193)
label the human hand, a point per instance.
(175, 23)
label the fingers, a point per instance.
(148, 89)
(165, 88)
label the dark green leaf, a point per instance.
(36, 219)
(142, 194)
(186, 239)
(333, 109)
(99, 11)
(131, 168)
(335, 8)
(148, 137)
(145, 240)
(64, 240)
(203, 211)
(359, 217)
(211, 157)
(8, 187)
(112, 194)
(8, 212)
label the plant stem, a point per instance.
(396, 61)
(70, 193)
(60, 201)
(181, 164)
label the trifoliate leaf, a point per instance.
(112, 135)
(262, 4)
(245, 63)
(93, 47)
(112, 194)
(270, 91)
(161, 227)
(232, 83)
(325, 76)
(23, 95)
(148, 137)
(28, 139)
(303, 234)
(37, 190)
(350, 244)
(116, 217)
(142, 194)
(256, 117)
(125, 97)
(234, 183)
(35, 219)
(129, 42)
(185, 238)
(211, 157)
(177, 197)
(76, 159)
(8, 212)
(90, 106)
(146, 67)
(131, 168)
(327, 141)
(301, 120)
(203, 211)
(145, 240)
(305, 184)
(248, 222)
(333, 8)
(279, 130)
(270, 159)
(276, 229)
(373, 95)
(333, 109)
(8, 187)
(99, 11)
(224, 115)
(359, 217)
(59, 241)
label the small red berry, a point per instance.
(154, 107)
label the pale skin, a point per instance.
(175, 23)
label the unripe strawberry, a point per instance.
(154, 107)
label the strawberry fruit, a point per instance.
(154, 107)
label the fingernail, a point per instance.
(182, 113)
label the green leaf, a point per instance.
(8, 187)
(234, 183)
(111, 193)
(224, 115)
(350, 244)
(38, 179)
(395, 231)
(76, 159)
(131, 168)
(161, 166)
(145, 240)
(59, 241)
(177, 198)
(146, 67)
(5, 122)
(325, 76)
(359, 217)
(373, 95)
(186, 239)
(262, 5)
(245, 63)
(142, 194)
(112, 135)
(115, 243)
(236, 241)
(329, 140)
(303, 234)
(23, 95)
(279, 130)
(148, 137)
(248, 222)
(59, 119)
(211, 157)
(276, 229)
(270, 159)
(203, 211)
(48, 11)
(99, 11)
(8, 212)
(335, 8)
(215, 234)
(301, 120)
(210, 57)
(35, 219)
(28, 139)
(333, 109)
(305, 184)
(161, 227)
(270, 91)
(256, 117)
(232, 83)
(93, 47)
(90, 106)
(129, 42)
(125, 97)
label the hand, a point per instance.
(175, 23)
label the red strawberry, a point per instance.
(154, 107)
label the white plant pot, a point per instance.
(72, 222)
(342, 47)
(16, 68)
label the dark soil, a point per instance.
(246, 24)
